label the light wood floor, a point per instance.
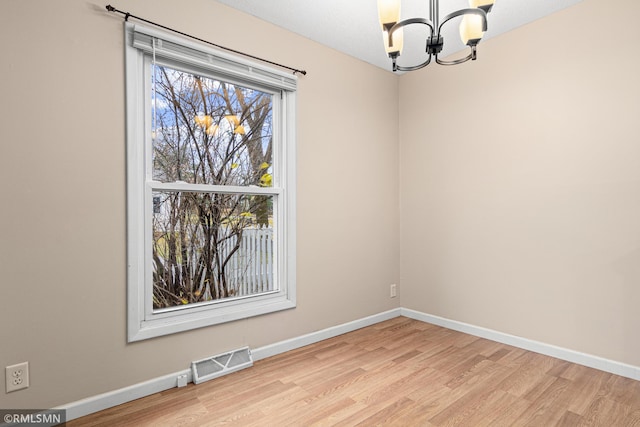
(400, 372)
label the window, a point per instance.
(210, 186)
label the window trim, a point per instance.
(143, 323)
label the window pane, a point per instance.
(210, 246)
(207, 131)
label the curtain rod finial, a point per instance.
(110, 8)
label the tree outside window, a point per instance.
(210, 245)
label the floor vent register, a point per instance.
(221, 364)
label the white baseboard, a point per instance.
(577, 357)
(110, 399)
(301, 341)
(92, 404)
(103, 401)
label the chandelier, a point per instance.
(472, 28)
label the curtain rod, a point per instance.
(127, 15)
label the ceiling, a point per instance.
(351, 26)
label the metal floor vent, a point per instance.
(222, 364)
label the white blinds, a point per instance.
(192, 53)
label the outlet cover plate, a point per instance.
(17, 376)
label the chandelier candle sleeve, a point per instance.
(472, 28)
(486, 4)
(389, 14)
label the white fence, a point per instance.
(250, 269)
(247, 271)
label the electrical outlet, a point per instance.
(393, 291)
(17, 376)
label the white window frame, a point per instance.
(143, 323)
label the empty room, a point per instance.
(244, 212)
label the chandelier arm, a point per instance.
(411, 21)
(468, 11)
(404, 23)
(471, 56)
(415, 67)
(455, 61)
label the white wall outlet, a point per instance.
(17, 376)
(393, 291)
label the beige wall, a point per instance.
(520, 183)
(62, 166)
(518, 212)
